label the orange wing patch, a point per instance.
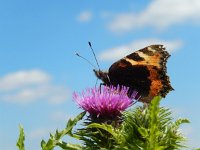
(152, 55)
(148, 60)
(156, 84)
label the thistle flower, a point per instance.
(107, 102)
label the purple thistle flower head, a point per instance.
(107, 102)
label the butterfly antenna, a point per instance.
(94, 54)
(77, 54)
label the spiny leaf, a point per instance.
(21, 139)
(43, 144)
(151, 127)
(143, 132)
(68, 146)
(154, 133)
(105, 127)
(181, 121)
(71, 123)
(55, 140)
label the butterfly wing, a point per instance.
(143, 71)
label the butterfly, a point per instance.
(143, 71)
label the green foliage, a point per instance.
(21, 139)
(151, 127)
(148, 127)
(56, 139)
(99, 136)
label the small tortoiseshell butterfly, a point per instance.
(143, 71)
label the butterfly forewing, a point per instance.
(143, 71)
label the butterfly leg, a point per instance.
(96, 82)
(101, 84)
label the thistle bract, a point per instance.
(107, 102)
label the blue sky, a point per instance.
(39, 71)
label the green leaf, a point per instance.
(69, 146)
(105, 127)
(71, 123)
(55, 140)
(43, 144)
(153, 132)
(151, 127)
(21, 139)
(143, 132)
(181, 121)
(160, 147)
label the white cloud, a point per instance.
(28, 86)
(158, 14)
(84, 16)
(123, 50)
(23, 78)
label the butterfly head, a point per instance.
(102, 76)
